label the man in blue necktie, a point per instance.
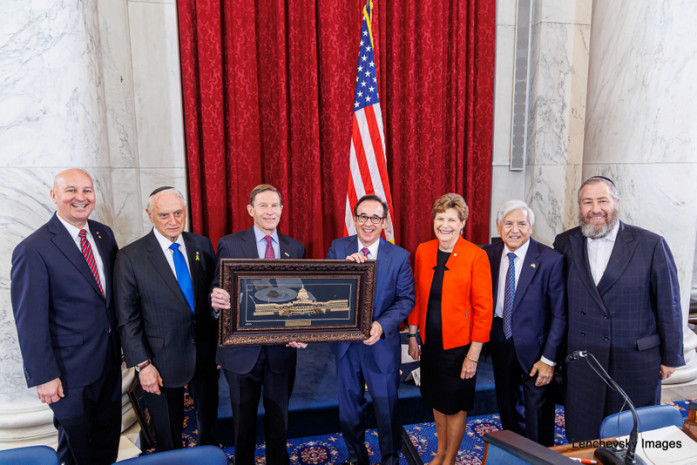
(529, 324)
(164, 319)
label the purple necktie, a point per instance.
(365, 251)
(269, 248)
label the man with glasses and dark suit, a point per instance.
(375, 361)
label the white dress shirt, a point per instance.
(372, 250)
(165, 243)
(75, 234)
(599, 251)
(520, 254)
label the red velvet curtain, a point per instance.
(268, 91)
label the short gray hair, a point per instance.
(513, 205)
(596, 179)
(161, 190)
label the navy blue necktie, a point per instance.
(509, 297)
(183, 276)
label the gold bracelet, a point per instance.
(471, 359)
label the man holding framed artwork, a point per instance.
(256, 371)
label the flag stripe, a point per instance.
(362, 160)
(367, 156)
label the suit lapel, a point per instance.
(97, 236)
(194, 256)
(249, 244)
(284, 246)
(495, 263)
(530, 266)
(619, 259)
(67, 246)
(382, 263)
(156, 256)
(579, 253)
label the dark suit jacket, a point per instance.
(242, 244)
(393, 300)
(539, 308)
(631, 322)
(63, 322)
(154, 319)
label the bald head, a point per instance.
(73, 194)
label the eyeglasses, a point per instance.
(373, 219)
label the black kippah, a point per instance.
(160, 189)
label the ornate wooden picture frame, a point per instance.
(279, 301)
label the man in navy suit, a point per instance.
(164, 318)
(63, 307)
(624, 308)
(529, 325)
(251, 370)
(376, 360)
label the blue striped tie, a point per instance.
(183, 276)
(508, 297)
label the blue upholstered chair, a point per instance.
(209, 455)
(653, 417)
(34, 455)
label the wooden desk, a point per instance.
(577, 452)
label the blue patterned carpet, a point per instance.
(330, 449)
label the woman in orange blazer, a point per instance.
(454, 309)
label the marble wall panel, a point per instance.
(563, 11)
(118, 82)
(157, 84)
(503, 92)
(550, 192)
(128, 205)
(505, 13)
(558, 91)
(653, 77)
(51, 93)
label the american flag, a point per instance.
(367, 162)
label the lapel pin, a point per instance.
(455, 254)
(197, 256)
(532, 265)
(286, 254)
(98, 235)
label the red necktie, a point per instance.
(269, 248)
(89, 257)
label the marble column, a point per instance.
(558, 83)
(53, 117)
(558, 71)
(641, 125)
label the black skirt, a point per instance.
(441, 386)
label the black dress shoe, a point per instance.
(365, 462)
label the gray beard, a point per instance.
(597, 232)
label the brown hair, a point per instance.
(452, 200)
(263, 188)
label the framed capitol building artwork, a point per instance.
(279, 301)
